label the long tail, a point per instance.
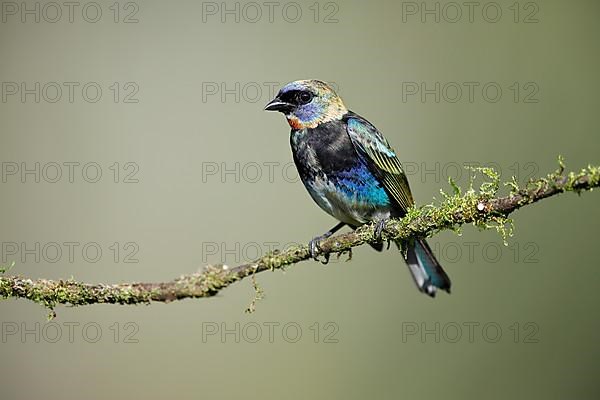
(425, 269)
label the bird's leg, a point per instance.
(313, 245)
(379, 225)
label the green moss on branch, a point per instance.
(481, 207)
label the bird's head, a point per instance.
(308, 103)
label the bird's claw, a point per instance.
(313, 245)
(379, 229)
(314, 249)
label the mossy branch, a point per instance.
(481, 207)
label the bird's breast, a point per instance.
(337, 179)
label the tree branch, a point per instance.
(481, 207)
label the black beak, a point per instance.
(278, 105)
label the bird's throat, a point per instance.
(296, 124)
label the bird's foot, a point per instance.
(314, 248)
(313, 245)
(379, 230)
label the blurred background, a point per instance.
(134, 147)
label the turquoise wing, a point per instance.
(381, 159)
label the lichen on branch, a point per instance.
(481, 206)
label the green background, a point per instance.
(177, 218)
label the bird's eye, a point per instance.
(305, 97)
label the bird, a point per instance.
(352, 173)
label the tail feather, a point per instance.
(425, 269)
